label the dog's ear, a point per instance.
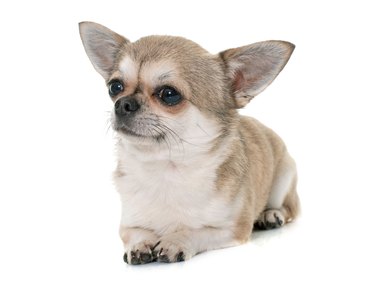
(253, 67)
(102, 46)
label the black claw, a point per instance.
(157, 244)
(126, 257)
(180, 256)
(154, 255)
(279, 221)
(259, 225)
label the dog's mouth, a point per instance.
(130, 132)
(141, 132)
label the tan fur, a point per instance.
(291, 206)
(249, 176)
(261, 147)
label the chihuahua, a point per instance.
(193, 175)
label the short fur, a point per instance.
(194, 176)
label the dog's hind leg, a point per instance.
(283, 202)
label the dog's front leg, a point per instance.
(184, 244)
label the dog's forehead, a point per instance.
(158, 56)
(155, 61)
(157, 47)
(152, 72)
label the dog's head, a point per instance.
(166, 87)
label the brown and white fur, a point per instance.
(194, 176)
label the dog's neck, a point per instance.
(177, 151)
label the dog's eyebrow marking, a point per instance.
(157, 72)
(129, 69)
(165, 76)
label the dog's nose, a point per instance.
(126, 106)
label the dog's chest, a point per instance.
(165, 196)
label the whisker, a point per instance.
(164, 138)
(181, 140)
(108, 123)
(171, 119)
(198, 125)
(173, 134)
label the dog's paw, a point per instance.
(140, 253)
(270, 219)
(170, 249)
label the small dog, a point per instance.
(193, 175)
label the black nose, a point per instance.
(126, 106)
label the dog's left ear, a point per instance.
(253, 67)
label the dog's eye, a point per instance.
(115, 87)
(169, 96)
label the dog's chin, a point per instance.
(133, 135)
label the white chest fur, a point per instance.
(165, 195)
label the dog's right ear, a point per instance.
(252, 68)
(102, 46)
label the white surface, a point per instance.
(59, 212)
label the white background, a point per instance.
(59, 211)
